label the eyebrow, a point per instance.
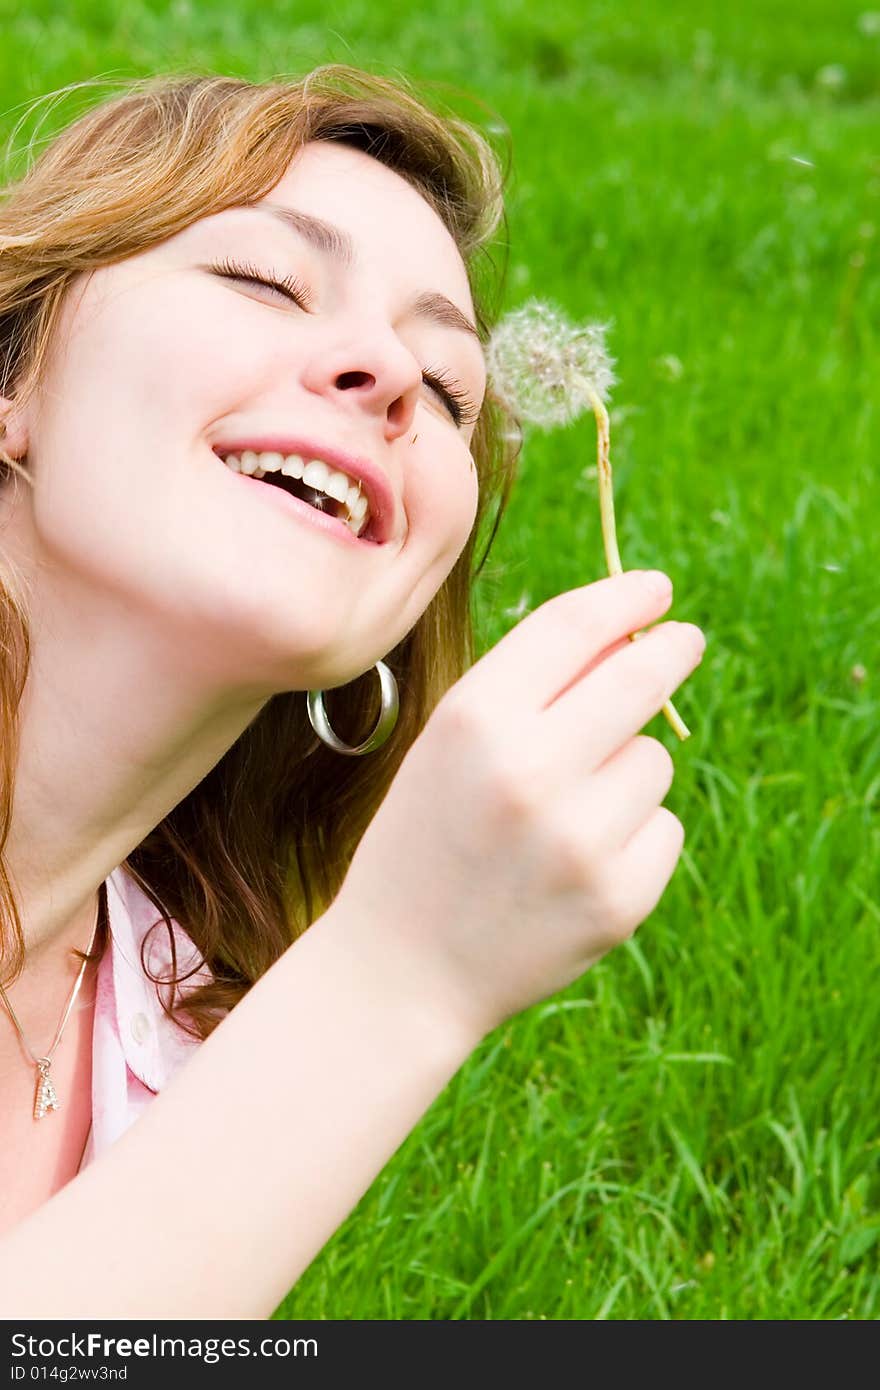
(333, 241)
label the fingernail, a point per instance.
(658, 582)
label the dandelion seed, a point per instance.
(798, 159)
(857, 674)
(832, 77)
(670, 367)
(519, 609)
(548, 371)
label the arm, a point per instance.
(280, 1121)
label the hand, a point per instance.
(523, 835)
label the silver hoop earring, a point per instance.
(384, 726)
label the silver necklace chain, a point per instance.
(45, 1096)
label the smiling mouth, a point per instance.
(313, 495)
(352, 511)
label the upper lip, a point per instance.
(380, 496)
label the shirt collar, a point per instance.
(154, 1046)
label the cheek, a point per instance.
(175, 351)
(441, 497)
(154, 361)
(144, 370)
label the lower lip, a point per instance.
(277, 497)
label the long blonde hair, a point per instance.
(259, 849)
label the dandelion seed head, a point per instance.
(544, 368)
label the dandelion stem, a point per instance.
(609, 533)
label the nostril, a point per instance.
(360, 378)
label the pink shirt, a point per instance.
(136, 1048)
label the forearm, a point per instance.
(226, 1188)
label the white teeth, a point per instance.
(270, 463)
(336, 486)
(316, 474)
(292, 466)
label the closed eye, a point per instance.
(289, 286)
(457, 401)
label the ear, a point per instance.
(13, 430)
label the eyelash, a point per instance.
(289, 286)
(457, 401)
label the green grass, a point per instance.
(691, 1131)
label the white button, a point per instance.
(140, 1027)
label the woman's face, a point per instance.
(160, 360)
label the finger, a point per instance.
(604, 655)
(642, 869)
(591, 665)
(625, 792)
(553, 645)
(596, 716)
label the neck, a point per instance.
(114, 733)
(134, 693)
(38, 1002)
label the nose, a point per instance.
(378, 377)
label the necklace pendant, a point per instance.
(45, 1097)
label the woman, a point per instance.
(229, 313)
